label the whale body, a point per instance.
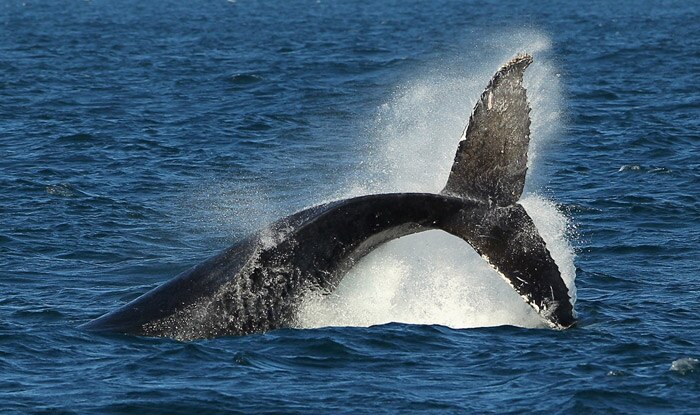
(258, 284)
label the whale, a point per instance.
(259, 283)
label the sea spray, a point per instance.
(433, 277)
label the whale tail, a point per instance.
(490, 166)
(257, 284)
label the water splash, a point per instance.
(433, 277)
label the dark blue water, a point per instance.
(138, 138)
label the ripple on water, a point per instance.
(244, 79)
(62, 190)
(636, 168)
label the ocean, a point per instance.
(138, 138)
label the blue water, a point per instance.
(139, 138)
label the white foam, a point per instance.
(685, 365)
(428, 278)
(433, 277)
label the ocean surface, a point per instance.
(138, 138)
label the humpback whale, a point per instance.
(258, 284)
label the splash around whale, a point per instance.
(258, 284)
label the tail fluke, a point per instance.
(490, 167)
(507, 238)
(491, 160)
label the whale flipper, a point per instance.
(491, 160)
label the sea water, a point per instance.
(139, 138)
